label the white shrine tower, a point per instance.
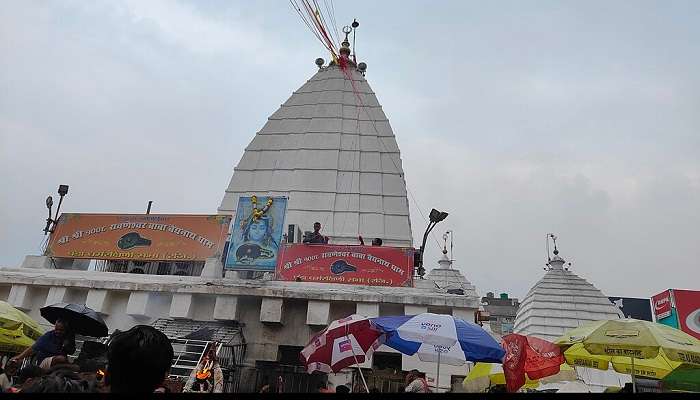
(331, 150)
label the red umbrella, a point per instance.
(529, 355)
(344, 342)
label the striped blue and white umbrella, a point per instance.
(439, 338)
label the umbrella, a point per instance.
(633, 339)
(17, 330)
(675, 375)
(345, 342)
(572, 387)
(14, 341)
(439, 338)
(83, 320)
(529, 357)
(685, 377)
(483, 375)
(655, 368)
(12, 318)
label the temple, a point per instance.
(561, 301)
(330, 150)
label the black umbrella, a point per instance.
(83, 320)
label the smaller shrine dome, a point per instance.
(450, 280)
(561, 301)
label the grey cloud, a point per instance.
(519, 119)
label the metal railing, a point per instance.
(187, 354)
(192, 268)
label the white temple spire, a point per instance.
(332, 151)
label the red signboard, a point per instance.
(688, 309)
(354, 265)
(662, 304)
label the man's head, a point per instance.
(138, 360)
(376, 242)
(412, 375)
(11, 368)
(61, 327)
(317, 227)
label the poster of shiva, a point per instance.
(256, 233)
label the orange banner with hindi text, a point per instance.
(142, 237)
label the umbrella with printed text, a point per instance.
(439, 338)
(484, 375)
(345, 342)
(674, 374)
(659, 346)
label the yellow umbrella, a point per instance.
(17, 330)
(645, 348)
(484, 375)
(656, 368)
(13, 341)
(634, 338)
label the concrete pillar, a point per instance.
(213, 268)
(231, 275)
(410, 309)
(369, 310)
(38, 262)
(19, 297)
(271, 309)
(138, 304)
(80, 265)
(317, 312)
(45, 262)
(181, 306)
(62, 263)
(424, 284)
(56, 294)
(226, 308)
(97, 300)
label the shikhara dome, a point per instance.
(331, 150)
(560, 301)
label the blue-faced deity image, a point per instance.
(258, 242)
(256, 233)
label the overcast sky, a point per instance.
(518, 118)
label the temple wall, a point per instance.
(273, 313)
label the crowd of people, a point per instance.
(316, 237)
(415, 382)
(137, 361)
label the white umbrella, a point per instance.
(439, 338)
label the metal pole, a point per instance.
(352, 348)
(437, 379)
(148, 210)
(634, 381)
(53, 225)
